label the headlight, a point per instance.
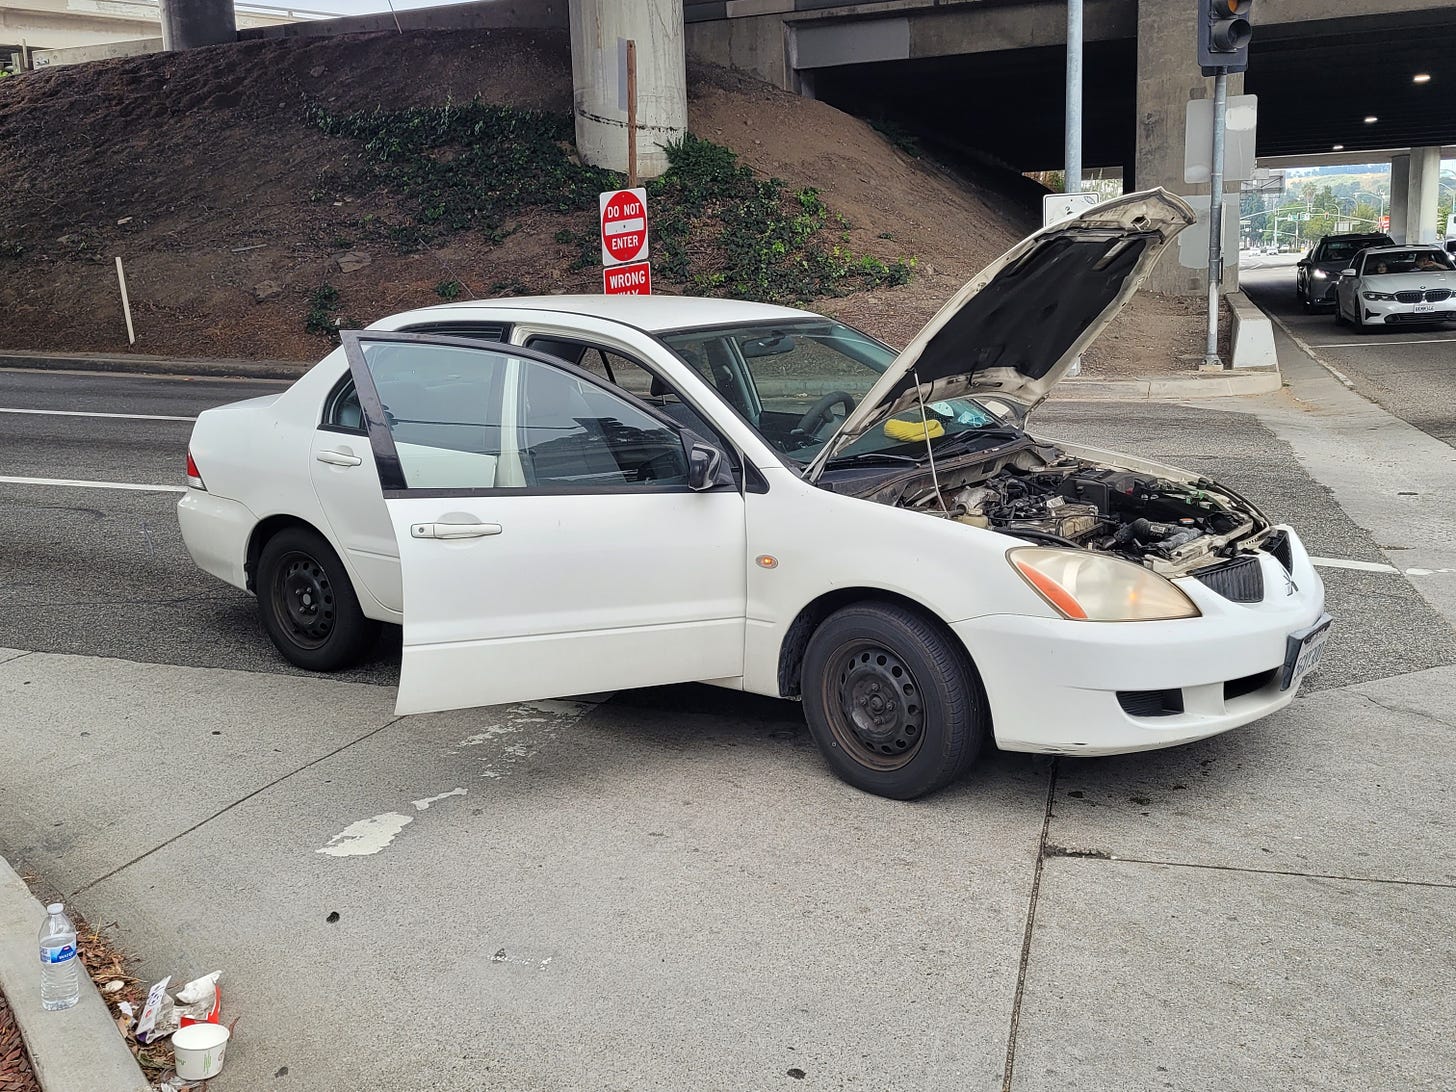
(1096, 588)
(1320, 275)
(1378, 295)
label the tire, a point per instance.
(931, 708)
(325, 630)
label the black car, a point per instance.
(1317, 271)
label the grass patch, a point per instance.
(717, 228)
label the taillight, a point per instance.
(194, 479)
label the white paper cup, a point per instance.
(199, 1050)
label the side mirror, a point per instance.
(704, 465)
(1347, 272)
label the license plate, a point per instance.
(1304, 650)
(1422, 308)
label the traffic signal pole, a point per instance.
(1072, 180)
(1215, 218)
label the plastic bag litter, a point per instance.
(195, 1003)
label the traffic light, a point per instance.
(1224, 30)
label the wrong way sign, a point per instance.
(632, 279)
(624, 226)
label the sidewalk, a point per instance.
(558, 897)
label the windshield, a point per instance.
(1406, 261)
(795, 383)
(1343, 250)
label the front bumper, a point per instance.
(1055, 685)
(1321, 291)
(1395, 313)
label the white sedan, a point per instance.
(1397, 286)
(568, 495)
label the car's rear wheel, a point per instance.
(308, 605)
(892, 700)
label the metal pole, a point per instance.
(1215, 218)
(631, 114)
(1072, 182)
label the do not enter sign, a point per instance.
(624, 226)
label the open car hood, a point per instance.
(1015, 329)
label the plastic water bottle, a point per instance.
(60, 984)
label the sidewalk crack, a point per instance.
(223, 811)
(1041, 855)
(1388, 880)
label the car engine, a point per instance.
(1045, 495)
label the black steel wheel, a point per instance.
(307, 603)
(892, 700)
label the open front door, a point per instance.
(549, 541)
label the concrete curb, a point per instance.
(1252, 337)
(78, 1050)
(1234, 383)
(138, 364)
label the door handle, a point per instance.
(454, 530)
(338, 458)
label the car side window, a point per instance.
(466, 418)
(629, 375)
(341, 410)
(443, 404)
(574, 434)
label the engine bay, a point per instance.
(1045, 495)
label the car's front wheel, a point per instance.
(308, 605)
(892, 700)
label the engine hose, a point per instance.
(1038, 536)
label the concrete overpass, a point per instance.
(988, 76)
(68, 24)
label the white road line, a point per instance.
(74, 483)
(87, 413)
(1359, 566)
(1371, 343)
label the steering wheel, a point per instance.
(817, 414)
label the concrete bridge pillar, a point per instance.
(1400, 169)
(187, 24)
(1422, 189)
(1167, 77)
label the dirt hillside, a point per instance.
(231, 208)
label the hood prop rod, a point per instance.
(929, 447)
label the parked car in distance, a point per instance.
(1397, 286)
(1318, 271)
(575, 494)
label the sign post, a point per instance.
(625, 242)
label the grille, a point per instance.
(1240, 581)
(1409, 297)
(1151, 703)
(1437, 295)
(1278, 545)
(1237, 688)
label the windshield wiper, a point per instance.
(963, 439)
(875, 457)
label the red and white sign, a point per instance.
(1385, 223)
(628, 280)
(624, 226)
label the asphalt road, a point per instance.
(667, 889)
(1412, 373)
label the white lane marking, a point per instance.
(367, 835)
(88, 413)
(1372, 344)
(76, 483)
(424, 805)
(1359, 566)
(1429, 572)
